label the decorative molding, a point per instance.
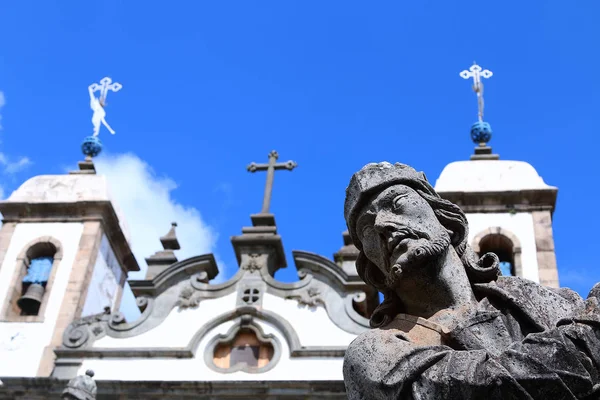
(244, 322)
(252, 265)
(79, 332)
(349, 303)
(337, 291)
(494, 202)
(51, 388)
(304, 277)
(310, 297)
(188, 298)
(76, 339)
(204, 266)
(82, 211)
(318, 264)
(85, 331)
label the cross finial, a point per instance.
(98, 104)
(476, 72)
(271, 167)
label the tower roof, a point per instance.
(72, 188)
(489, 176)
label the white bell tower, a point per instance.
(508, 205)
(63, 255)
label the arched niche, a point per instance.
(44, 250)
(504, 244)
(245, 347)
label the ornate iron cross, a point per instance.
(105, 85)
(476, 72)
(271, 167)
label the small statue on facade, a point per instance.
(81, 387)
(450, 327)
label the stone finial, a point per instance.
(484, 152)
(260, 239)
(81, 387)
(85, 167)
(169, 241)
(164, 258)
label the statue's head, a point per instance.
(401, 227)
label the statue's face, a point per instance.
(399, 233)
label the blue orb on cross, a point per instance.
(91, 146)
(481, 132)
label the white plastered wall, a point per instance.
(22, 343)
(519, 224)
(312, 325)
(105, 282)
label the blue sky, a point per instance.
(212, 86)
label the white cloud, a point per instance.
(149, 208)
(12, 167)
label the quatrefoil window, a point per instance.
(245, 347)
(250, 296)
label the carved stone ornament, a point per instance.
(253, 263)
(265, 345)
(188, 298)
(80, 331)
(450, 327)
(310, 297)
(86, 330)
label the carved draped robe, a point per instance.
(524, 341)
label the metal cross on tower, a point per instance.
(270, 167)
(476, 72)
(105, 85)
(97, 104)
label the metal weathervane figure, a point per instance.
(92, 146)
(481, 132)
(98, 104)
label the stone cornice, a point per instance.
(503, 201)
(176, 273)
(82, 211)
(52, 388)
(82, 349)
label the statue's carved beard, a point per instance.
(421, 253)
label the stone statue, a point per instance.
(81, 387)
(450, 327)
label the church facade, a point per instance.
(65, 258)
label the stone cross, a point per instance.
(270, 167)
(476, 72)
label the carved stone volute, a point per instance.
(85, 330)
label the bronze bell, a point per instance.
(30, 302)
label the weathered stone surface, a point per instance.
(449, 327)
